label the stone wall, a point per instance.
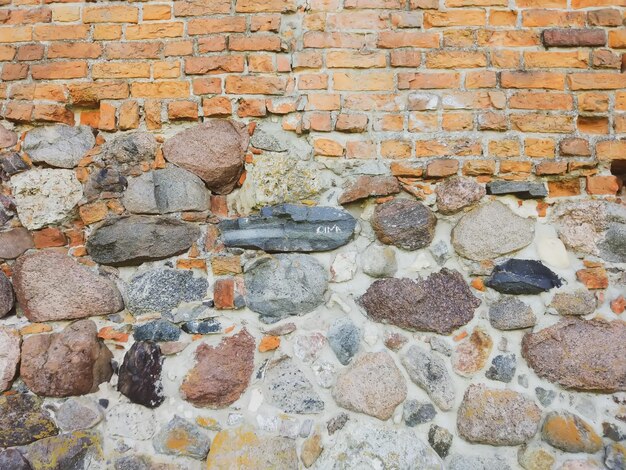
(280, 234)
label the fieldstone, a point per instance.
(15, 242)
(7, 299)
(7, 138)
(367, 445)
(440, 303)
(264, 138)
(9, 356)
(7, 209)
(497, 417)
(165, 191)
(131, 421)
(470, 355)
(510, 313)
(12, 459)
(520, 189)
(552, 251)
(46, 196)
(76, 414)
(344, 339)
(157, 330)
(105, 180)
(613, 432)
(379, 261)
(475, 462)
(502, 368)
(161, 290)
(127, 151)
(71, 362)
(222, 373)
(615, 456)
(579, 354)
(429, 372)
(405, 223)
(581, 302)
(205, 327)
(135, 239)
(51, 286)
(372, 385)
(11, 163)
(569, 433)
(415, 412)
(337, 423)
(535, 457)
(79, 450)
(60, 145)
(142, 462)
(286, 387)
(284, 285)
(440, 439)
(490, 231)
(311, 449)
(140, 375)
(458, 193)
(581, 464)
(246, 449)
(213, 150)
(290, 227)
(307, 347)
(22, 420)
(365, 186)
(182, 438)
(522, 277)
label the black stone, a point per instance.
(521, 276)
(11, 459)
(140, 375)
(205, 327)
(158, 330)
(440, 439)
(104, 403)
(289, 228)
(520, 189)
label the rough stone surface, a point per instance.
(497, 417)
(71, 362)
(440, 439)
(344, 339)
(287, 388)
(22, 420)
(12, 163)
(140, 375)
(405, 223)
(128, 151)
(134, 239)
(580, 302)
(12, 459)
(379, 261)
(570, 433)
(490, 231)
(535, 457)
(180, 437)
(222, 373)
(52, 286)
(415, 412)
(520, 189)
(105, 180)
(79, 450)
(61, 146)
(285, 285)
(470, 356)
(131, 421)
(9, 356)
(366, 186)
(475, 462)
(311, 449)
(165, 191)
(76, 414)
(456, 194)
(15, 242)
(372, 385)
(7, 138)
(7, 299)
(378, 446)
(510, 313)
(429, 371)
(502, 368)
(213, 150)
(579, 354)
(441, 303)
(615, 456)
(45, 196)
(522, 276)
(290, 228)
(157, 330)
(161, 290)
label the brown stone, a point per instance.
(574, 38)
(52, 286)
(405, 223)
(15, 242)
(367, 186)
(440, 303)
(458, 193)
(72, 362)
(7, 137)
(580, 354)
(593, 278)
(570, 433)
(471, 355)
(222, 373)
(213, 150)
(9, 356)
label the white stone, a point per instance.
(256, 399)
(132, 421)
(45, 197)
(552, 251)
(9, 356)
(343, 267)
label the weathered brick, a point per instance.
(611, 150)
(217, 106)
(552, 18)
(257, 42)
(130, 50)
(182, 110)
(602, 185)
(416, 81)
(255, 85)
(214, 64)
(30, 52)
(110, 14)
(156, 12)
(128, 115)
(352, 59)
(595, 81)
(154, 31)
(121, 70)
(14, 72)
(547, 80)
(556, 59)
(205, 7)
(327, 147)
(573, 146)
(264, 6)
(59, 70)
(541, 100)
(371, 81)
(395, 39)
(604, 17)
(89, 93)
(455, 60)
(164, 89)
(617, 39)
(74, 50)
(442, 168)
(227, 24)
(574, 38)
(53, 113)
(438, 19)
(28, 16)
(320, 40)
(60, 33)
(542, 123)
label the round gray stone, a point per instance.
(61, 145)
(379, 261)
(286, 387)
(510, 313)
(344, 339)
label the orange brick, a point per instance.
(372, 81)
(593, 124)
(540, 148)
(217, 106)
(214, 64)
(107, 32)
(504, 148)
(110, 14)
(256, 42)
(540, 100)
(53, 113)
(65, 13)
(510, 38)
(206, 7)
(455, 60)
(166, 69)
(593, 278)
(564, 188)
(152, 110)
(442, 168)
(182, 110)
(107, 117)
(164, 89)
(437, 19)
(350, 20)
(14, 72)
(16, 33)
(59, 70)
(173, 48)
(121, 70)
(596, 81)
(551, 168)
(482, 79)
(91, 93)
(253, 85)
(323, 40)
(359, 60)
(204, 86)
(60, 33)
(457, 121)
(49, 237)
(327, 147)
(432, 80)
(548, 80)
(130, 50)
(156, 12)
(74, 50)
(265, 23)
(265, 6)
(18, 111)
(556, 59)
(229, 24)
(611, 150)
(396, 149)
(251, 108)
(602, 185)
(479, 167)
(154, 31)
(393, 40)
(93, 212)
(323, 102)
(129, 115)
(542, 123)
(406, 58)
(546, 18)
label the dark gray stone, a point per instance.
(405, 223)
(161, 290)
(440, 439)
(140, 375)
(206, 327)
(285, 285)
(287, 388)
(613, 432)
(12, 459)
(545, 397)
(127, 151)
(11, 163)
(22, 420)
(135, 239)
(290, 227)
(158, 330)
(105, 180)
(502, 368)
(522, 276)
(344, 339)
(615, 456)
(510, 313)
(60, 145)
(520, 189)
(7, 299)
(415, 412)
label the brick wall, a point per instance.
(513, 87)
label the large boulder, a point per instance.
(51, 286)
(405, 223)
(135, 239)
(60, 145)
(213, 150)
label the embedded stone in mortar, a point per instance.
(60, 145)
(470, 355)
(580, 302)
(22, 420)
(289, 228)
(140, 374)
(51, 286)
(76, 450)
(181, 437)
(405, 223)
(285, 284)
(287, 388)
(570, 433)
(135, 239)
(510, 313)
(458, 193)
(579, 354)
(15, 242)
(440, 303)
(365, 186)
(520, 189)
(7, 298)
(9, 356)
(213, 150)
(522, 276)
(127, 151)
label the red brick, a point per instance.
(217, 106)
(602, 185)
(574, 38)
